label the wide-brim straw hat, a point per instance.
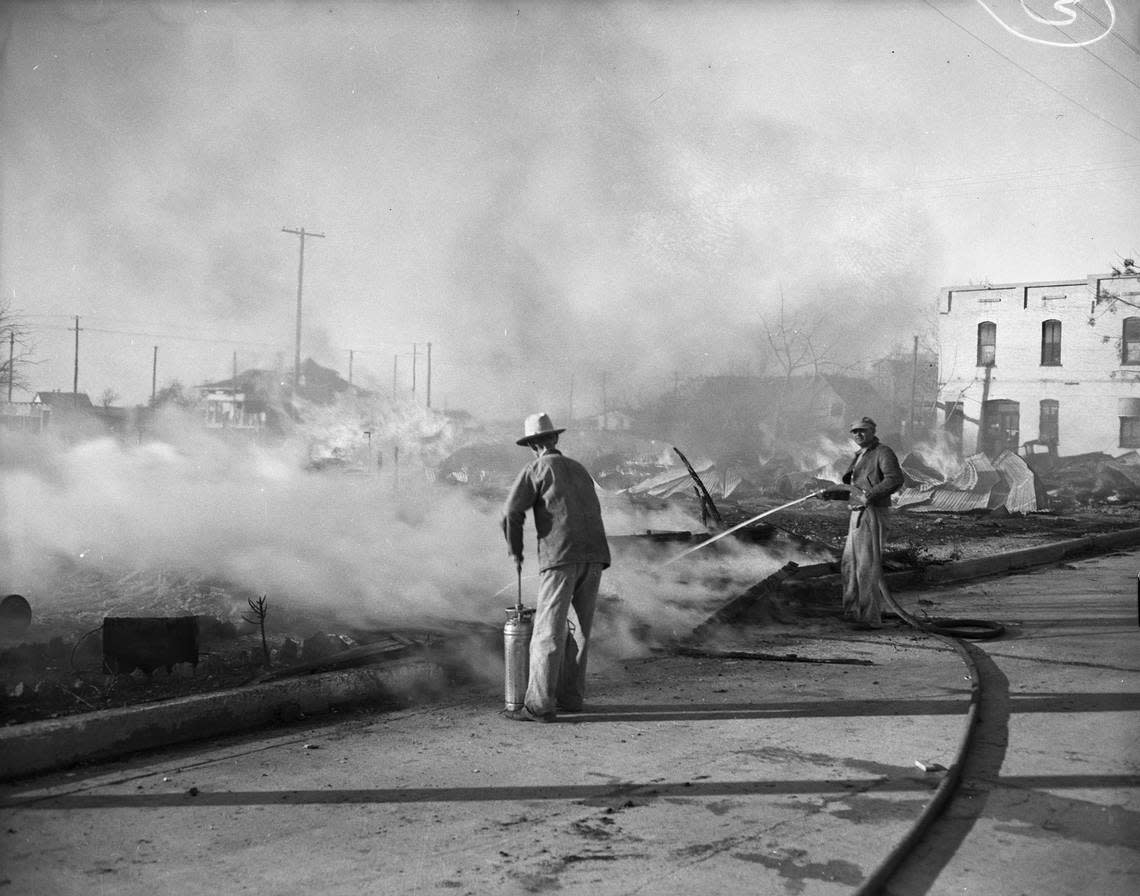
(537, 425)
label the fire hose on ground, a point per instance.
(973, 629)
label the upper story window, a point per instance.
(1130, 341)
(1051, 343)
(987, 343)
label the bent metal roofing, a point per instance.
(981, 484)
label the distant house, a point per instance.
(73, 414)
(25, 416)
(320, 385)
(909, 383)
(64, 402)
(618, 421)
(833, 401)
(746, 415)
(237, 403)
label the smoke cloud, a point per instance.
(544, 192)
(193, 524)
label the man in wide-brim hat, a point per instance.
(572, 552)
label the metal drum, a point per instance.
(516, 654)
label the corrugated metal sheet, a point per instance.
(977, 474)
(1022, 496)
(948, 500)
(911, 497)
(719, 482)
(979, 485)
(918, 471)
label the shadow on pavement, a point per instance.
(980, 770)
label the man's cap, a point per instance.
(863, 423)
(537, 425)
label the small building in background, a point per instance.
(68, 415)
(232, 404)
(24, 416)
(614, 421)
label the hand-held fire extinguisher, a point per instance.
(516, 649)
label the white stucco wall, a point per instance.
(1090, 381)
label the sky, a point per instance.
(572, 203)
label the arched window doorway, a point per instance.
(1001, 426)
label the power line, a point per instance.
(1115, 33)
(1036, 78)
(167, 336)
(204, 335)
(1099, 59)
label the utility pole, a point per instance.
(913, 388)
(605, 404)
(75, 379)
(302, 233)
(350, 370)
(154, 377)
(11, 361)
(429, 376)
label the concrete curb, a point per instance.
(38, 747)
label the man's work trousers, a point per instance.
(862, 565)
(559, 649)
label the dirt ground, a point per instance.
(63, 674)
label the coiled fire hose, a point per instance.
(973, 629)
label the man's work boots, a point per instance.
(523, 714)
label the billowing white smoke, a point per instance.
(165, 527)
(361, 548)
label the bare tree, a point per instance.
(15, 353)
(800, 345)
(173, 393)
(108, 398)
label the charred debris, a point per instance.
(171, 640)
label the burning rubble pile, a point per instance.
(356, 568)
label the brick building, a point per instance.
(1047, 366)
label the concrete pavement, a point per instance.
(686, 772)
(721, 770)
(1049, 801)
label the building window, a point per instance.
(1001, 426)
(1130, 432)
(1130, 341)
(987, 343)
(1049, 428)
(1051, 343)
